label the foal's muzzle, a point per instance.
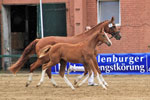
(109, 43)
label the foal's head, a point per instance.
(104, 38)
(112, 29)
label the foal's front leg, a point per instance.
(98, 70)
(62, 73)
(96, 73)
(48, 71)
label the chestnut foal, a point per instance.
(82, 52)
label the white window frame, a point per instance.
(99, 14)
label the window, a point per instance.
(107, 9)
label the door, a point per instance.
(54, 19)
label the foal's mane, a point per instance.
(94, 28)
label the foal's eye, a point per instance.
(103, 35)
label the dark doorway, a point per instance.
(32, 18)
(24, 23)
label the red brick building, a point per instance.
(131, 15)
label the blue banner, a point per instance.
(125, 63)
(134, 63)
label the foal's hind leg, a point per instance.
(44, 68)
(81, 76)
(87, 69)
(62, 72)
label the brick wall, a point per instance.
(91, 12)
(135, 26)
(132, 19)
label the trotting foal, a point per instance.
(82, 52)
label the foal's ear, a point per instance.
(102, 30)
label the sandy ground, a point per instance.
(121, 87)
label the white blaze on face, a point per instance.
(108, 38)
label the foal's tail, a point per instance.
(44, 51)
(29, 50)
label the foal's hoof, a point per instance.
(55, 85)
(37, 86)
(106, 84)
(104, 87)
(27, 85)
